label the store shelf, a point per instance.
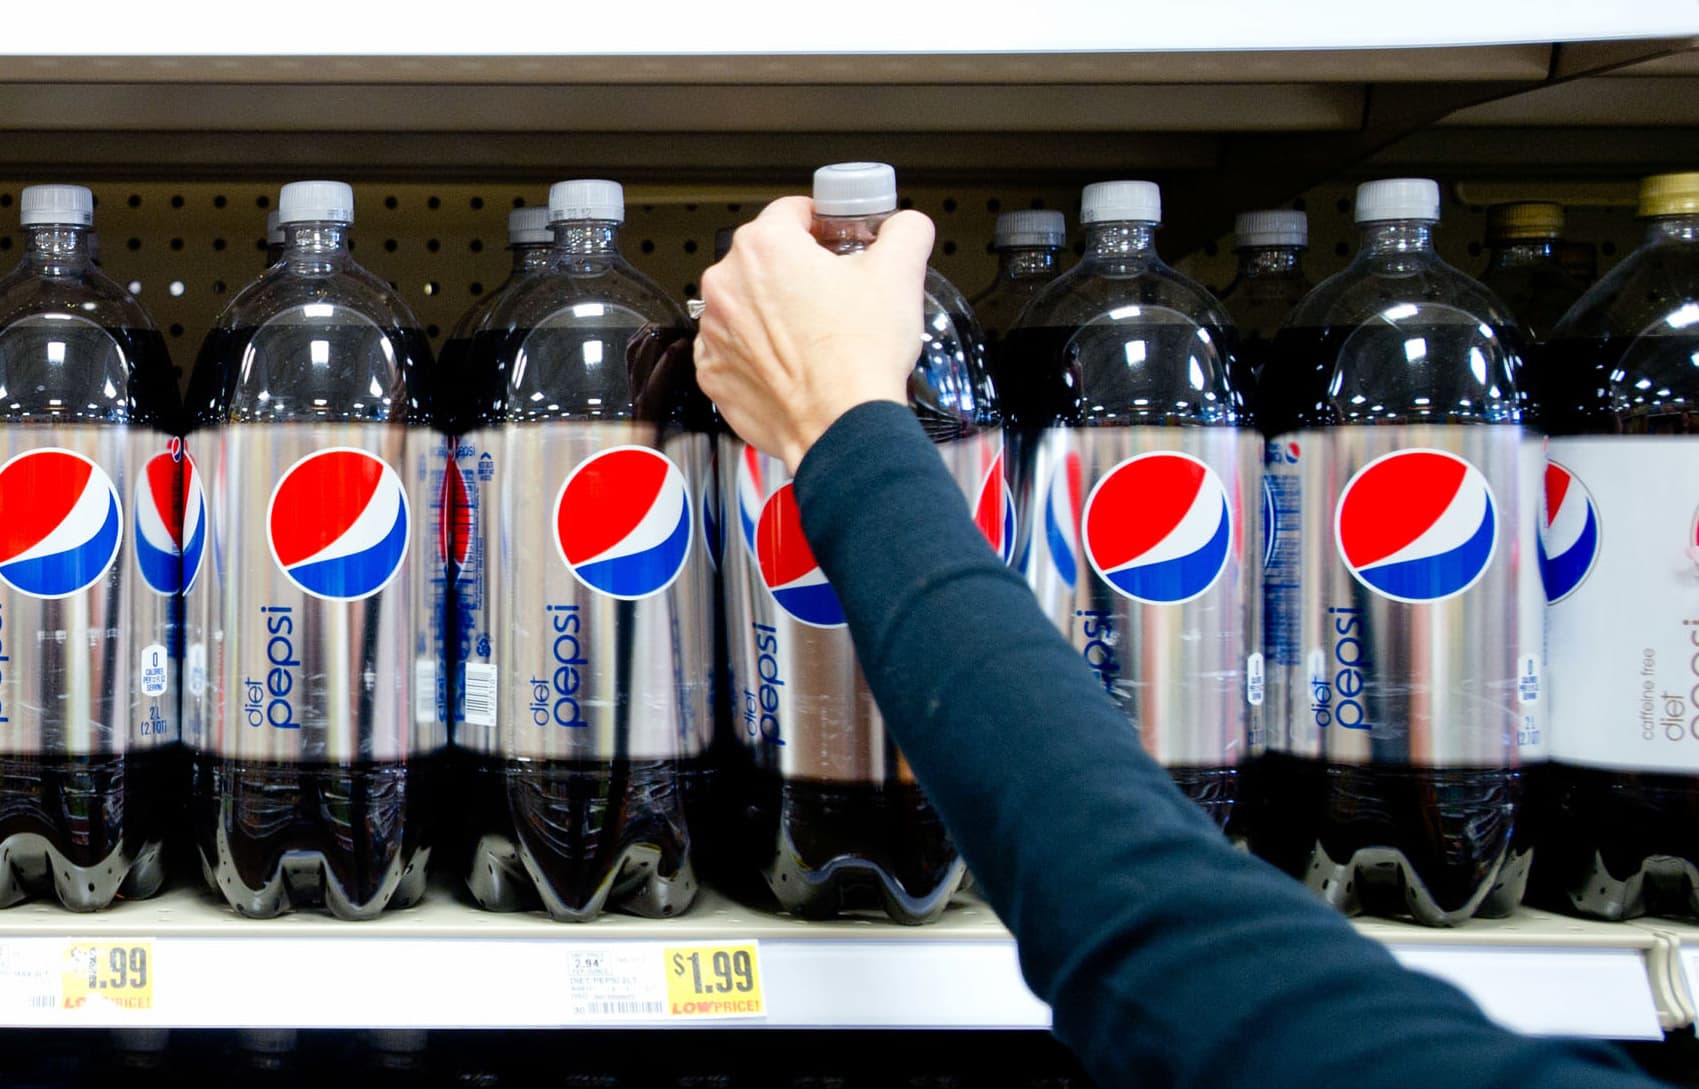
(445, 964)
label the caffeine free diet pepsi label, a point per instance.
(1619, 554)
(587, 592)
(318, 526)
(1406, 552)
(798, 698)
(1136, 542)
(89, 563)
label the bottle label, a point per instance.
(1139, 546)
(1619, 552)
(585, 592)
(798, 700)
(322, 618)
(88, 568)
(1399, 557)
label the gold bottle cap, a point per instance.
(1524, 219)
(1669, 195)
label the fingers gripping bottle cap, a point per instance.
(855, 189)
(1527, 219)
(315, 202)
(528, 226)
(1121, 202)
(586, 198)
(1398, 198)
(69, 205)
(1039, 227)
(273, 229)
(1669, 195)
(1261, 230)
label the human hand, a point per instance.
(793, 336)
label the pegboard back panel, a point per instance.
(185, 249)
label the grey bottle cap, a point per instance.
(587, 198)
(1037, 227)
(1272, 227)
(528, 226)
(855, 189)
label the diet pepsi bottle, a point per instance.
(1270, 281)
(321, 717)
(88, 605)
(1405, 629)
(1134, 456)
(836, 819)
(1523, 269)
(1029, 256)
(586, 684)
(1618, 554)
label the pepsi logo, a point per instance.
(994, 512)
(622, 522)
(1158, 528)
(157, 513)
(194, 532)
(1062, 518)
(751, 494)
(788, 566)
(1417, 525)
(338, 524)
(1569, 533)
(454, 520)
(62, 525)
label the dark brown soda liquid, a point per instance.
(824, 848)
(354, 837)
(86, 829)
(576, 837)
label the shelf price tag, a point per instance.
(713, 981)
(117, 973)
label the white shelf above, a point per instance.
(445, 964)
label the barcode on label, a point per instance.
(627, 1008)
(43, 1002)
(480, 694)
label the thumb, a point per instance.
(904, 243)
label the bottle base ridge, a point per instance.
(576, 839)
(1619, 844)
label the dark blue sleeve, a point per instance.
(1168, 957)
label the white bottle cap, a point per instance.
(1398, 198)
(855, 189)
(586, 198)
(273, 229)
(1121, 202)
(1039, 227)
(71, 205)
(316, 202)
(529, 226)
(1270, 228)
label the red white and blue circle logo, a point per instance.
(1062, 518)
(62, 523)
(1569, 533)
(788, 567)
(338, 524)
(622, 522)
(1158, 528)
(1417, 526)
(161, 521)
(455, 514)
(994, 512)
(751, 494)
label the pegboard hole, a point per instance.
(949, 204)
(219, 244)
(5, 242)
(1038, 202)
(734, 207)
(905, 203)
(690, 291)
(5, 200)
(690, 245)
(949, 249)
(476, 203)
(135, 200)
(176, 243)
(134, 244)
(433, 203)
(390, 245)
(1474, 249)
(176, 330)
(220, 201)
(476, 245)
(262, 201)
(433, 245)
(647, 245)
(432, 331)
(177, 200)
(993, 206)
(1342, 249)
(218, 287)
(519, 202)
(432, 287)
(1342, 205)
(391, 203)
(475, 287)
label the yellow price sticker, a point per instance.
(119, 973)
(708, 981)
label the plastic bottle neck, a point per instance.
(1676, 230)
(1269, 261)
(1522, 252)
(585, 237)
(848, 234)
(1121, 239)
(1027, 262)
(57, 248)
(1397, 236)
(530, 256)
(309, 246)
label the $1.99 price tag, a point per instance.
(118, 973)
(711, 981)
